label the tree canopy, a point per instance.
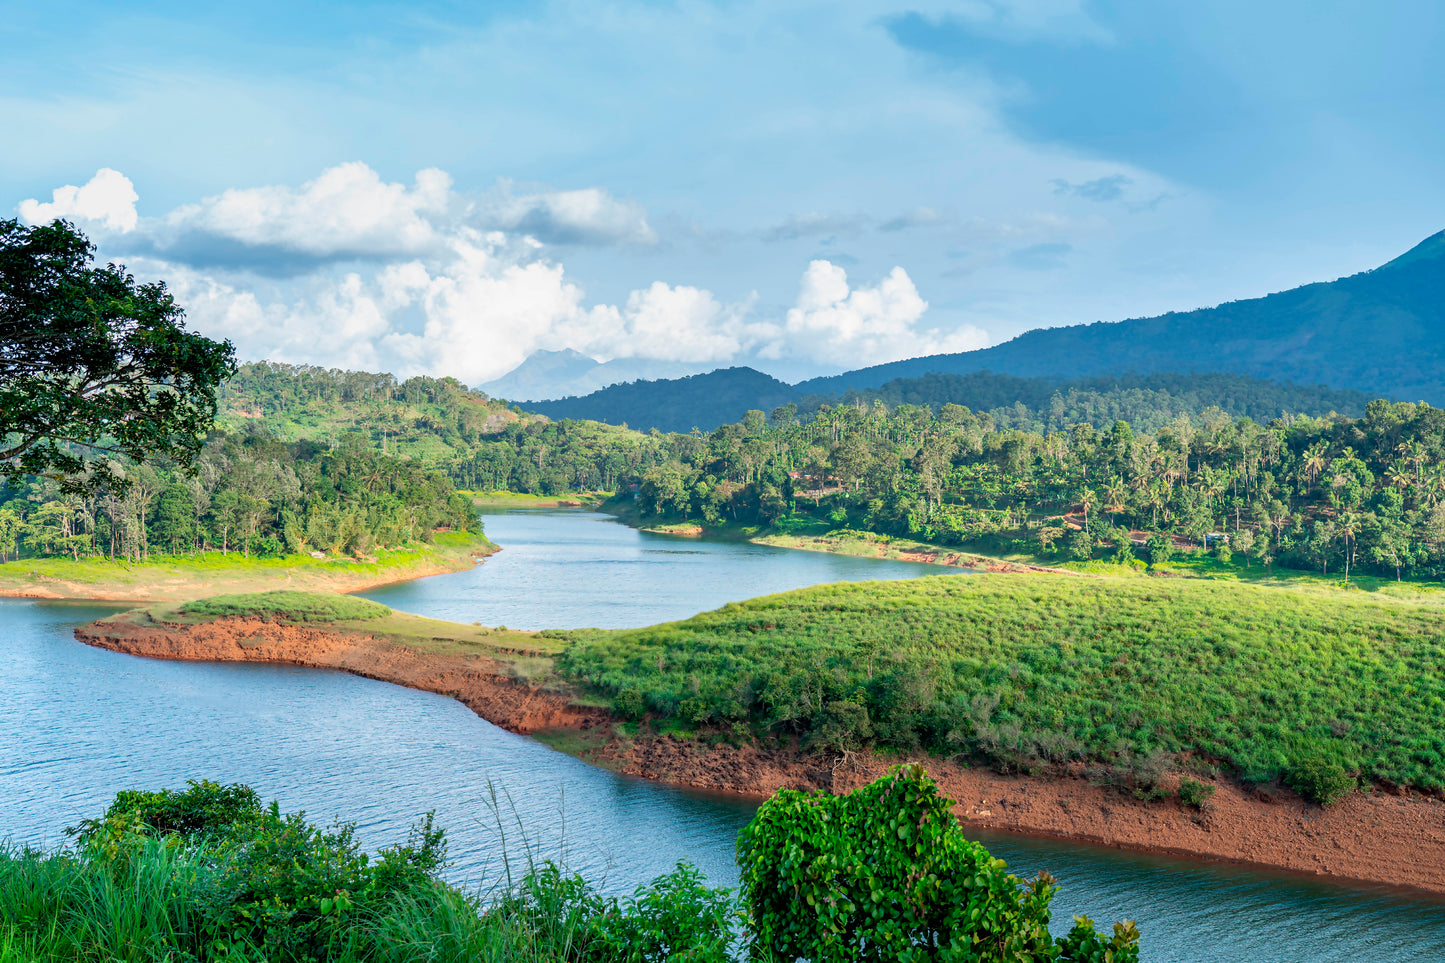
(94, 365)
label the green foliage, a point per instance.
(885, 873)
(1194, 793)
(252, 495)
(1028, 673)
(209, 875)
(1319, 777)
(93, 366)
(286, 606)
(1084, 945)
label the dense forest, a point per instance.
(1147, 402)
(1114, 469)
(250, 494)
(1322, 493)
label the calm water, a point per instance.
(78, 724)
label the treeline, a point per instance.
(1332, 493)
(251, 494)
(1086, 469)
(1148, 402)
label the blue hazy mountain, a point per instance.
(1380, 331)
(559, 374)
(681, 404)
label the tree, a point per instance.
(94, 365)
(886, 873)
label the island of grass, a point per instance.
(179, 577)
(1080, 695)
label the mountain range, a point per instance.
(1379, 332)
(556, 374)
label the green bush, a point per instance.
(1194, 793)
(629, 704)
(1319, 779)
(886, 874)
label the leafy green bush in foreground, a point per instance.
(210, 875)
(886, 874)
(287, 606)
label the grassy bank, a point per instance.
(505, 499)
(1027, 672)
(179, 577)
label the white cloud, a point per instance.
(835, 323)
(347, 211)
(413, 279)
(587, 216)
(107, 199)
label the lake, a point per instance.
(78, 724)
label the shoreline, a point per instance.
(870, 545)
(183, 578)
(1374, 838)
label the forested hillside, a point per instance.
(424, 418)
(1380, 331)
(679, 404)
(1040, 404)
(341, 461)
(252, 495)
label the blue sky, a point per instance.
(800, 186)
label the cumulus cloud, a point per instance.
(347, 212)
(107, 199)
(417, 278)
(835, 323)
(587, 216)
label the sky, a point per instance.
(445, 188)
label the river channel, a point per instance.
(78, 724)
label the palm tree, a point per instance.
(1347, 528)
(1413, 452)
(1115, 491)
(1315, 461)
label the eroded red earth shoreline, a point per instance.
(1396, 840)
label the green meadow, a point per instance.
(1311, 687)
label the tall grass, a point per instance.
(209, 875)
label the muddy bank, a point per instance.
(481, 683)
(1373, 838)
(1370, 838)
(903, 550)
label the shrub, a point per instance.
(885, 873)
(1194, 793)
(1319, 779)
(629, 704)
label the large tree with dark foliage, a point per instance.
(94, 365)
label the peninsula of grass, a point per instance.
(286, 606)
(1029, 673)
(182, 577)
(528, 656)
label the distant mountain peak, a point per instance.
(1430, 249)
